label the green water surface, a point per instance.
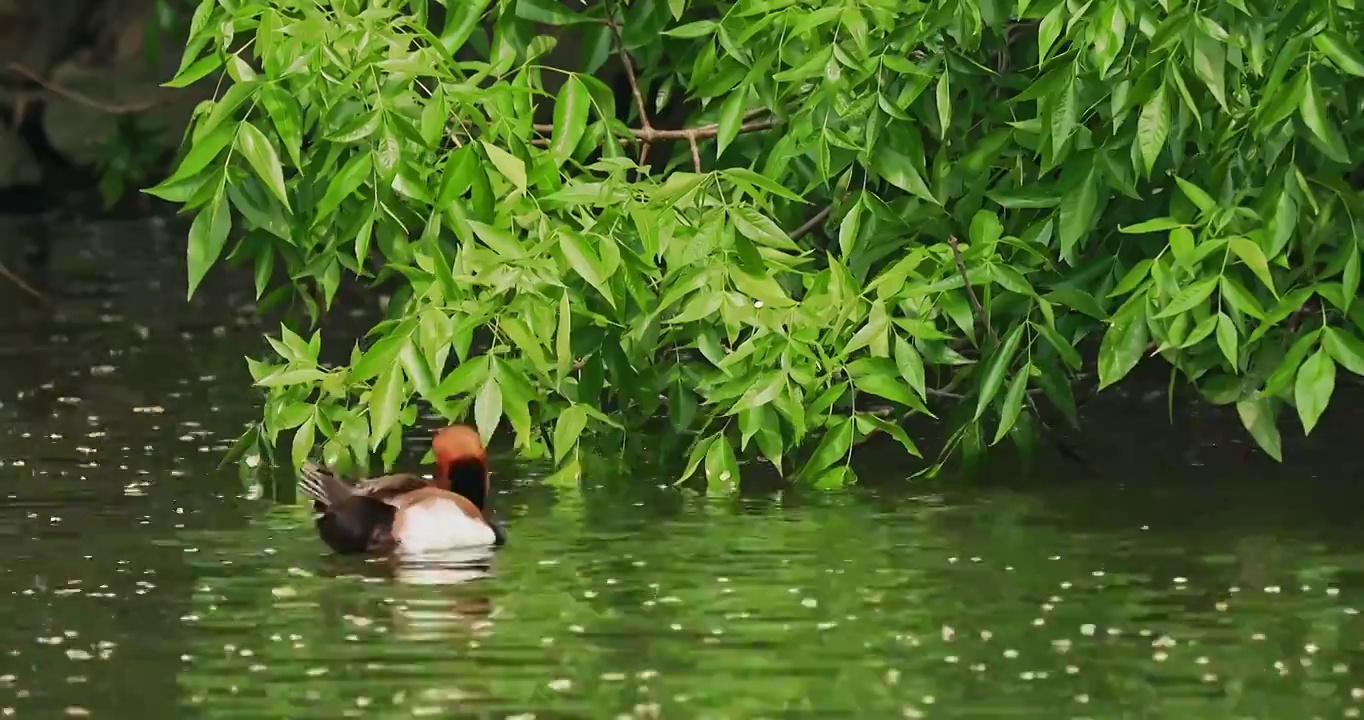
(140, 581)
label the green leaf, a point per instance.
(1050, 29)
(1153, 129)
(1254, 258)
(511, 167)
(1240, 298)
(500, 241)
(848, 229)
(1160, 224)
(1079, 300)
(570, 118)
(985, 228)
(760, 228)
(284, 113)
(1077, 213)
(1349, 278)
(997, 368)
(567, 429)
(195, 71)
(1182, 245)
(762, 392)
(263, 159)
(1227, 339)
(1312, 391)
(434, 117)
(911, 366)
(1189, 298)
(1257, 415)
(894, 431)
(1132, 278)
(694, 458)
(1210, 65)
(1064, 117)
(563, 342)
(1013, 403)
(488, 408)
(1123, 343)
(700, 28)
(584, 261)
(346, 181)
(201, 153)
(722, 469)
(386, 400)
(731, 118)
(207, 236)
(409, 184)
(303, 440)
(902, 171)
(880, 377)
(1069, 355)
(1345, 348)
(548, 12)
(1197, 195)
(1313, 112)
(744, 175)
(418, 371)
(943, 98)
(833, 447)
(1341, 51)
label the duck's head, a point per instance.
(358, 524)
(462, 463)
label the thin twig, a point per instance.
(630, 74)
(812, 223)
(695, 154)
(9, 275)
(970, 291)
(700, 132)
(633, 79)
(81, 98)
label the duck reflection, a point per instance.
(462, 607)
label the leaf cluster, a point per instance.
(940, 204)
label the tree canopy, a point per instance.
(772, 228)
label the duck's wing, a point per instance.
(387, 486)
(320, 484)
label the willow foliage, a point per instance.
(864, 211)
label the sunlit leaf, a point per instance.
(1153, 128)
(997, 368)
(488, 408)
(584, 262)
(1257, 416)
(1228, 340)
(731, 118)
(570, 118)
(386, 400)
(207, 236)
(1123, 344)
(567, 429)
(1312, 392)
(1013, 403)
(263, 159)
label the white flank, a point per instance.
(430, 529)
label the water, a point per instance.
(141, 581)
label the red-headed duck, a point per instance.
(405, 513)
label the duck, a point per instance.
(404, 513)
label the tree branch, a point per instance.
(9, 275)
(81, 98)
(970, 291)
(812, 223)
(633, 80)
